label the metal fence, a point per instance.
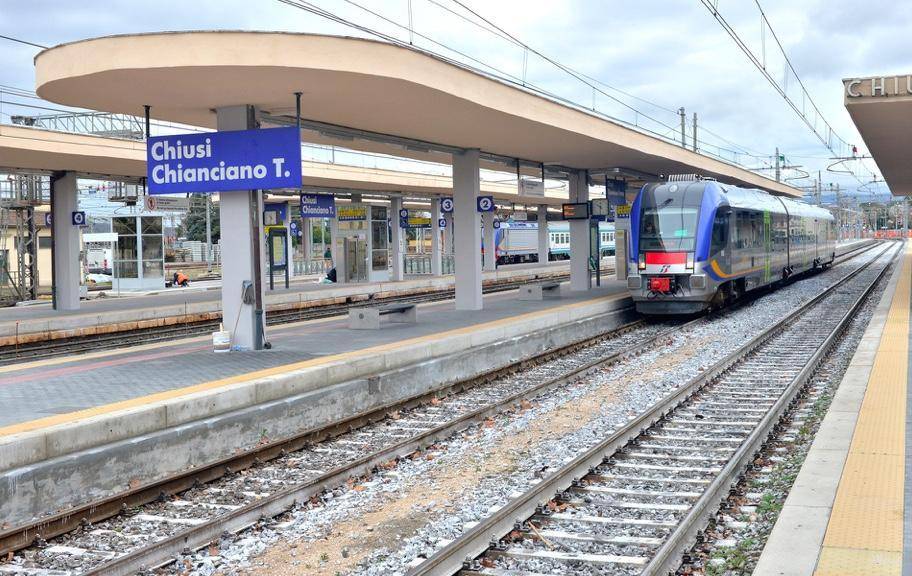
(310, 267)
(416, 264)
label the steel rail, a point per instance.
(449, 560)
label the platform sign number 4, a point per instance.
(485, 204)
(79, 218)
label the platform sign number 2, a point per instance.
(485, 203)
(79, 218)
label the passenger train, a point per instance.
(700, 244)
(518, 241)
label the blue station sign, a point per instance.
(224, 161)
(318, 206)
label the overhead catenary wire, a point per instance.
(21, 41)
(760, 64)
(487, 68)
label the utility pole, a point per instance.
(778, 169)
(209, 233)
(695, 132)
(683, 127)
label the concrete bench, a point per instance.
(538, 291)
(369, 318)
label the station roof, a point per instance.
(359, 84)
(881, 107)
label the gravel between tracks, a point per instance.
(405, 512)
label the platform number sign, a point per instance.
(79, 218)
(403, 213)
(446, 205)
(497, 224)
(47, 219)
(485, 203)
(441, 222)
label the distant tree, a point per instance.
(194, 225)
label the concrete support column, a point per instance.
(66, 276)
(449, 234)
(467, 236)
(580, 279)
(490, 246)
(905, 218)
(543, 243)
(436, 261)
(398, 271)
(240, 213)
(307, 240)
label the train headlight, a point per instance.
(642, 261)
(690, 261)
(634, 282)
(698, 282)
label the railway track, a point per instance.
(635, 502)
(156, 524)
(149, 521)
(68, 346)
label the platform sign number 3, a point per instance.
(79, 218)
(446, 205)
(485, 203)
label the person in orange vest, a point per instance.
(181, 279)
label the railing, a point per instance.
(415, 264)
(99, 123)
(18, 190)
(311, 267)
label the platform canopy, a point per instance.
(359, 85)
(881, 107)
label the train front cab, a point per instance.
(670, 239)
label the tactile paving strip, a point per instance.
(864, 536)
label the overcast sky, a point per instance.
(670, 52)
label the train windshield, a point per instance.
(668, 221)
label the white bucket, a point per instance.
(221, 341)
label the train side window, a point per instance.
(719, 232)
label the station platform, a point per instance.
(849, 512)
(105, 420)
(39, 322)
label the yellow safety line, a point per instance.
(864, 536)
(265, 373)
